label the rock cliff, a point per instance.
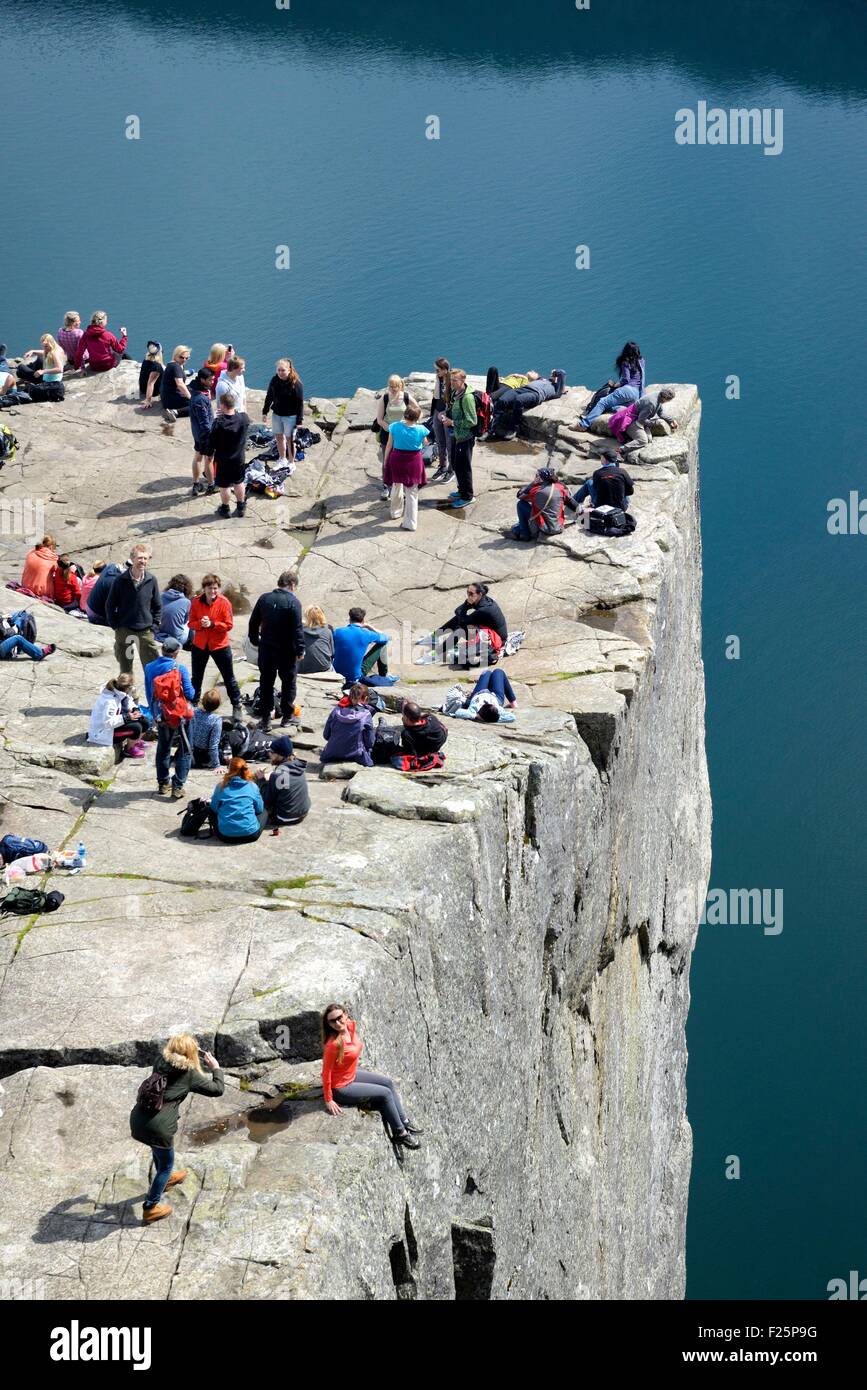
(509, 932)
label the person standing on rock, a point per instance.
(285, 396)
(389, 409)
(463, 419)
(211, 620)
(153, 1120)
(277, 632)
(168, 693)
(343, 1082)
(442, 396)
(403, 467)
(134, 610)
(201, 424)
(227, 445)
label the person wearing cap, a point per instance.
(170, 736)
(284, 791)
(150, 375)
(541, 506)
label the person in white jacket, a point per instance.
(115, 718)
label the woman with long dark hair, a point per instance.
(343, 1082)
(630, 385)
(442, 397)
(475, 636)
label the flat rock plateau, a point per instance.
(510, 932)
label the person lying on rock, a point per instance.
(348, 731)
(344, 1082)
(540, 507)
(510, 401)
(491, 700)
(13, 642)
(475, 636)
(284, 791)
(178, 1072)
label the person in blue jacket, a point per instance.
(357, 649)
(237, 813)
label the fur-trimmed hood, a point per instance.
(178, 1061)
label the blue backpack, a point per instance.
(17, 846)
(25, 623)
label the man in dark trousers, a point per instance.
(133, 610)
(277, 630)
(422, 733)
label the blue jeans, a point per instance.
(164, 1162)
(166, 737)
(623, 395)
(521, 528)
(382, 1094)
(17, 643)
(498, 683)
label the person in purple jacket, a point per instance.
(349, 730)
(630, 371)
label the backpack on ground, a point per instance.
(386, 745)
(610, 521)
(195, 815)
(27, 901)
(514, 642)
(258, 748)
(8, 445)
(453, 699)
(423, 762)
(255, 705)
(259, 436)
(14, 847)
(169, 694)
(25, 623)
(234, 740)
(484, 413)
(152, 1091)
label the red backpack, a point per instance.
(484, 413)
(169, 693)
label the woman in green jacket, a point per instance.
(157, 1127)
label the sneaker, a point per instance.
(406, 1139)
(164, 789)
(135, 750)
(287, 720)
(453, 496)
(223, 510)
(156, 1213)
(170, 416)
(181, 1173)
(197, 489)
(446, 477)
(462, 502)
(210, 489)
(49, 648)
(240, 508)
(178, 793)
(265, 725)
(385, 493)
(429, 659)
(413, 1129)
(238, 713)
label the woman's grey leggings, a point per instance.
(380, 1091)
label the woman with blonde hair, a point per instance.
(174, 392)
(216, 362)
(285, 396)
(237, 813)
(318, 643)
(177, 1073)
(390, 408)
(342, 1081)
(101, 348)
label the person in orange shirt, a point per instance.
(342, 1081)
(39, 563)
(211, 620)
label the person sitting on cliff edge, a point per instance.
(343, 1082)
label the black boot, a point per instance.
(407, 1140)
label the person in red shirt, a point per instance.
(67, 585)
(101, 348)
(211, 620)
(342, 1081)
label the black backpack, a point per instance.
(613, 521)
(27, 901)
(234, 740)
(25, 623)
(258, 749)
(152, 1092)
(195, 815)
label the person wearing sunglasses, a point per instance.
(343, 1083)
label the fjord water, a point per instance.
(306, 128)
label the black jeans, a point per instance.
(274, 662)
(462, 463)
(223, 662)
(237, 839)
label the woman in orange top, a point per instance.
(211, 620)
(342, 1081)
(39, 563)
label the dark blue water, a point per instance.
(306, 128)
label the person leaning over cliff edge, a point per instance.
(342, 1081)
(153, 1120)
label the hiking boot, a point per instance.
(240, 508)
(407, 1140)
(210, 489)
(178, 793)
(181, 1174)
(134, 750)
(413, 1129)
(265, 725)
(223, 510)
(197, 489)
(164, 789)
(150, 1214)
(170, 416)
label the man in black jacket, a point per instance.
(422, 733)
(284, 792)
(609, 487)
(134, 609)
(277, 630)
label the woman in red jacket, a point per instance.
(342, 1081)
(101, 348)
(211, 620)
(67, 585)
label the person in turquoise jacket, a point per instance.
(237, 813)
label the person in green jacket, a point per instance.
(462, 417)
(180, 1066)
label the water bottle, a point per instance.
(82, 854)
